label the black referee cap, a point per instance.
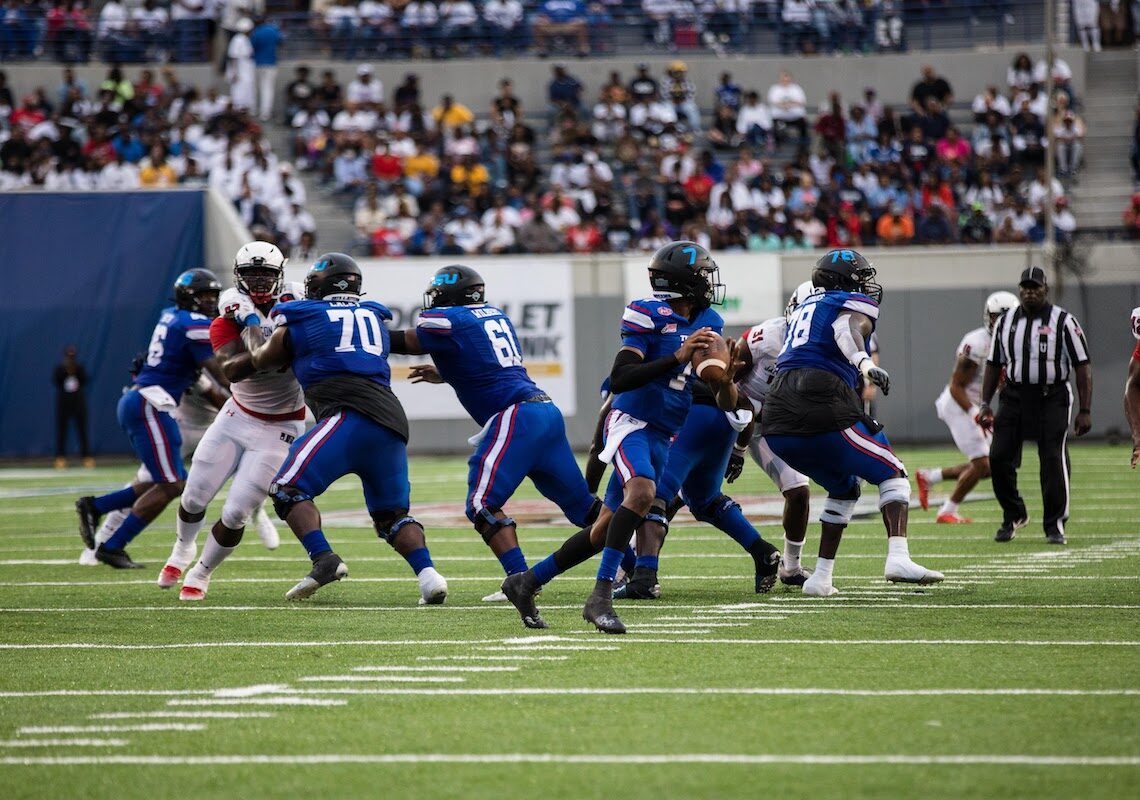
(1033, 275)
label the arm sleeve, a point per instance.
(1075, 343)
(631, 372)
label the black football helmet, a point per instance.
(847, 271)
(333, 273)
(455, 285)
(198, 290)
(686, 271)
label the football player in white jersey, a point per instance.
(250, 437)
(957, 406)
(1132, 390)
(757, 349)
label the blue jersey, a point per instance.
(476, 350)
(337, 338)
(655, 330)
(178, 346)
(810, 341)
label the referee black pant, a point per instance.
(1040, 413)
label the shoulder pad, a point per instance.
(853, 301)
(379, 308)
(646, 316)
(291, 290)
(436, 319)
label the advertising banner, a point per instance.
(536, 294)
(751, 280)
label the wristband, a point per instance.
(1085, 411)
(858, 358)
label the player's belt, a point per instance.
(292, 416)
(538, 398)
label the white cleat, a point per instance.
(266, 530)
(87, 558)
(495, 597)
(180, 558)
(903, 570)
(817, 586)
(194, 588)
(168, 576)
(433, 587)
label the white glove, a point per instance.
(875, 374)
(237, 306)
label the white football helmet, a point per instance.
(802, 291)
(1136, 323)
(259, 268)
(997, 304)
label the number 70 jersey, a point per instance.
(476, 350)
(334, 338)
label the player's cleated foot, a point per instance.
(903, 570)
(87, 558)
(191, 594)
(1008, 530)
(266, 530)
(923, 489)
(194, 587)
(495, 597)
(793, 577)
(521, 589)
(88, 520)
(952, 518)
(180, 558)
(642, 585)
(116, 558)
(327, 568)
(168, 576)
(433, 587)
(767, 568)
(1055, 538)
(818, 586)
(599, 611)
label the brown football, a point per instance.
(711, 362)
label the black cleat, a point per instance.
(327, 568)
(1009, 529)
(642, 585)
(88, 520)
(116, 558)
(793, 577)
(521, 589)
(1055, 538)
(599, 610)
(767, 561)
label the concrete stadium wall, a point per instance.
(475, 82)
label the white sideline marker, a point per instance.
(423, 668)
(258, 701)
(65, 743)
(385, 678)
(144, 728)
(492, 658)
(183, 715)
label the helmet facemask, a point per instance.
(261, 282)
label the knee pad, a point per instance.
(715, 510)
(487, 524)
(839, 510)
(895, 490)
(234, 518)
(388, 523)
(285, 497)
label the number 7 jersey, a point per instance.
(333, 338)
(476, 350)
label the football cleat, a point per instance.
(327, 568)
(521, 589)
(116, 558)
(767, 568)
(433, 587)
(266, 530)
(819, 587)
(180, 558)
(87, 558)
(168, 576)
(793, 577)
(191, 594)
(642, 585)
(599, 611)
(495, 597)
(1055, 538)
(952, 518)
(194, 587)
(923, 489)
(903, 570)
(1008, 530)
(88, 520)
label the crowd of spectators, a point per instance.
(150, 132)
(634, 165)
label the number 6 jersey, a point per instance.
(476, 350)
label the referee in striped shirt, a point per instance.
(1038, 345)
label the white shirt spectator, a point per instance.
(750, 115)
(189, 9)
(1038, 193)
(796, 12)
(335, 16)
(400, 145)
(1065, 221)
(670, 162)
(510, 214)
(370, 91)
(295, 221)
(467, 232)
(771, 200)
(609, 119)
(983, 103)
(591, 168)
(115, 176)
(392, 202)
(113, 18)
(459, 13)
(738, 192)
(561, 218)
(1062, 72)
(374, 13)
(358, 121)
(787, 103)
(1039, 107)
(150, 20)
(503, 13)
(419, 14)
(498, 234)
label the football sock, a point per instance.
(897, 547)
(629, 560)
(733, 522)
(792, 552)
(111, 523)
(123, 498)
(315, 543)
(132, 526)
(948, 507)
(419, 560)
(188, 531)
(611, 560)
(574, 551)
(213, 554)
(513, 561)
(622, 527)
(646, 562)
(823, 567)
(546, 570)
(934, 475)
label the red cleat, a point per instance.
(169, 576)
(953, 519)
(923, 489)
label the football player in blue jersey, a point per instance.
(651, 380)
(179, 346)
(814, 419)
(337, 346)
(475, 349)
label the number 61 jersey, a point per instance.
(476, 350)
(332, 338)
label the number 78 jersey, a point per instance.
(810, 341)
(331, 338)
(476, 350)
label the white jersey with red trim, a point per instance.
(764, 342)
(975, 346)
(274, 393)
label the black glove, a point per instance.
(735, 464)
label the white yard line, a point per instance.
(765, 691)
(385, 678)
(258, 701)
(107, 693)
(492, 658)
(144, 728)
(425, 668)
(183, 715)
(65, 743)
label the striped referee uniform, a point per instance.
(1039, 350)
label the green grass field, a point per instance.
(1018, 677)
